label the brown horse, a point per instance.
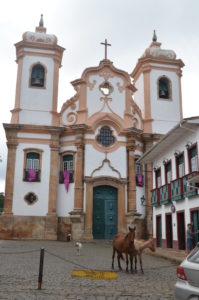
(123, 244)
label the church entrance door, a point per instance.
(104, 212)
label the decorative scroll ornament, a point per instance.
(92, 84)
(106, 73)
(121, 88)
(71, 117)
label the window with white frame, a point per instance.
(67, 166)
(32, 165)
(193, 159)
(180, 165)
(168, 172)
(158, 178)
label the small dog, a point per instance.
(78, 247)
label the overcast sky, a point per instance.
(81, 25)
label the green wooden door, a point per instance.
(104, 212)
(159, 231)
(195, 218)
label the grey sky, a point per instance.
(81, 25)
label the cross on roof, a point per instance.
(105, 44)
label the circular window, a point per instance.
(105, 137)
(106, 88)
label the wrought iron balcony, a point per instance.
(177, 190)
(155, 197)
(26, 176)
(165, 194)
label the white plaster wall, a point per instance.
(21, 188)
(166, 113)
(94, 159)
(117, 104)
(35, 117)
(33, 135)
(139, 94)
(140, 191)
(36, 99)
(65, 201)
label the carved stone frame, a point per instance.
(35, 150)
(119, 184)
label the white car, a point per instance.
(187, 285)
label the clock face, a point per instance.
(106, 88)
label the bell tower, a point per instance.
(157, 77)
(39, 59)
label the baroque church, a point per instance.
(76, 170)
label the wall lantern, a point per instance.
(142, 199)
(165, 161)
(176, 153)
(188, 145)
(173, 208)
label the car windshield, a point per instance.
(194, 255)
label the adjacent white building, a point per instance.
(175, 197)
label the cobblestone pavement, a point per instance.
(19, 273)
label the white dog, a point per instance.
(79, 247)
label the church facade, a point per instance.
(76, 171)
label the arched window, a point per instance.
(164, 88)
(37, 75)
(32, 163)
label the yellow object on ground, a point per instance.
(95, 274)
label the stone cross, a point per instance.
(105, 44)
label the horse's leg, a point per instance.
(127, 262)
(135, 263)
(131, 262)
(140, 259)
(118, 259)
(113, 257)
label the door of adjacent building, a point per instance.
(195, 221)
(181, 230)
(169, 231)
(104, 212)
(158, 231)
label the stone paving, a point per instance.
(19, 273)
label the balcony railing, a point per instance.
(177, 190)
(26, 176)
(155, 197)
(165, 194)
